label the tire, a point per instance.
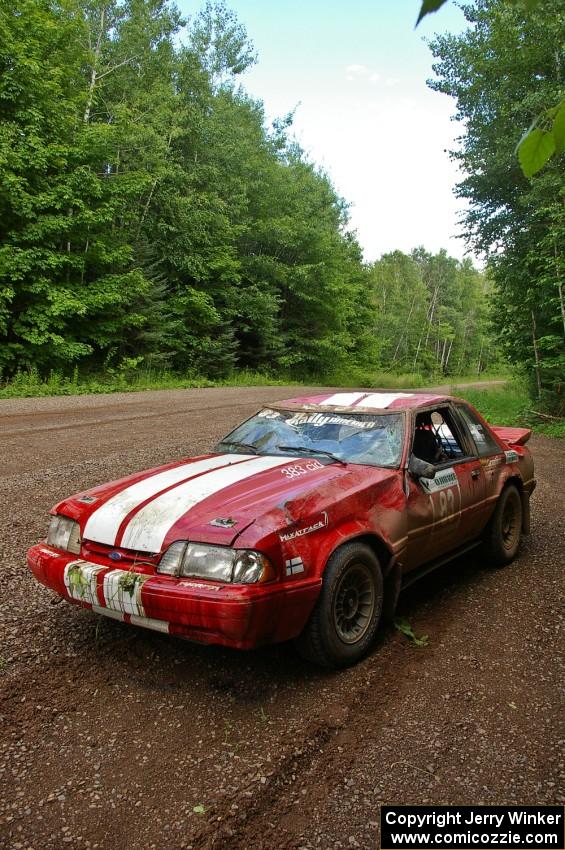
(344, 622)
(502, 537)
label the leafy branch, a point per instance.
(546, 134)
(404, 627)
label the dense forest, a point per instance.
(149, 216)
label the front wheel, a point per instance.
(502, 537)
(346, 617)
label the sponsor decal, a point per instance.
(511, 456)
(489, 463)
(223, 522)
(294, 566)
(444, 478)
(308, 529)
(302, 469)
(88, 499)
(319, 419)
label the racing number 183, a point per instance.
(446, 503)
(446, 500)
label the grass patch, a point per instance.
(402, 380)
(510, 405)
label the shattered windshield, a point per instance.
(341, 437)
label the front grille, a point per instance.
(126, 556)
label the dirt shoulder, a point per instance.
(117, 737)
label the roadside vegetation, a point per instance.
(156, 232)
(153, 221)
(512, 405)
(506, 71)
(31, 383)
(501, 404)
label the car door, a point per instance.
(492, 460)
(441, 509)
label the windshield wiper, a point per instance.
(240, 445)
(313, 452)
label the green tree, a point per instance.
(545, 136)
(501, 71)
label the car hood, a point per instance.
(212, 499)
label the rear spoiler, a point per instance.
(512, 436)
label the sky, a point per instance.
(355, 72)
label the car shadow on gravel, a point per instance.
(456, 576)
(155, 663)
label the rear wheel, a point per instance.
(502, 538)
(346, 617)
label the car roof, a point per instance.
(363, 401)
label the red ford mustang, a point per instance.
(305, 522)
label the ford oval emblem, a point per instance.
(115, 556)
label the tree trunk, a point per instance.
(448, 356)
(559, 285)
(536, 354)
(406, 326)
(431, 316)
(94, 71)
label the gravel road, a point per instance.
(115, 737)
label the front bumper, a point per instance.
(240, 616)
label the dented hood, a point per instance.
(212, 498)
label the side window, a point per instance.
(436, 439)
(482, 439)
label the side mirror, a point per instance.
(420, 469)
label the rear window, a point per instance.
(485, 444)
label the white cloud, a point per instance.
(362, 72)
(387, 156)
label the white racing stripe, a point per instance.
(146, 622)
(107, 612)
(81, 579)
(150, 623)
(149, 527)
(122, 591)
(103, 525)
(342, 399)
(382, 400)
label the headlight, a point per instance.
(218, 563)
(250, 567)
(64, 533)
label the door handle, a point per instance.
(475, 473)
